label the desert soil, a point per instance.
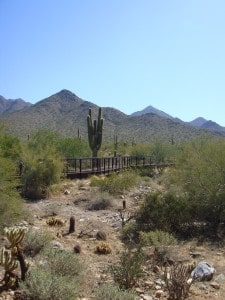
(74, 199)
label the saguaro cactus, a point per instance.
(95, 129)
(115, 144)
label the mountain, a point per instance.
(209, 125)
(64, 112)
(10, 105)
(152, 110)
(198, 122)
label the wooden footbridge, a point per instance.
(83, 167)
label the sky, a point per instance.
(126, 54)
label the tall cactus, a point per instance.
(95, 129)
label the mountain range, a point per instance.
(198, 122)
(11, 105)
(65, 113)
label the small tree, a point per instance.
(43, 165)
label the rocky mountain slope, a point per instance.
(209, 125)
(64, 112)
(11, 105)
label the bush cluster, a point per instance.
(129, 270)
(116, 183)
(59, 277)
(109, 292)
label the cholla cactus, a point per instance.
(15, 235)
(55, 222)
(14, 253)
(7, 261)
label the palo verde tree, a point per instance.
(95, 129)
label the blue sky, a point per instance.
(126, 54)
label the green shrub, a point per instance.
(129, 270)
(163, 243)
(129, 232)
(59, 277)
(34, 241)
(165, 211)
(116, 183)
(63, 263)
(41, 284)
(199, 173)
(40, 173)
(158, 239)
(110, 292)
(11, 204)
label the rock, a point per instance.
(158, 287)
(146, 297)
(77, 248)
(66, 192)
(156, 269)
(220, 278)
(195, 254)
(215, 285)
(149, 283)
(101, 235)
(139, 290)
(203, 272)
(202, 287)
(159, 282)
(159, 293)
(83, 188)
(56, 245)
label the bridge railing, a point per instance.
(75, 167)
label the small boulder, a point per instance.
(203, 272)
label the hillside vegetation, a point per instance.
(65, 113)
(122, 229)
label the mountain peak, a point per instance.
(11, 105)
(152, 110)
(67, 93)
(198, 122)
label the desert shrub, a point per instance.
(34, 241)
(199, 173)
(157, 238)
(63, 263)
(140, 150)
(71, 147)
(163, 243)
(101, 201)
(160, 151)
(11, 204)
(116, 183)
(59, 277)
(43, 166)
(42, 284)
(165, 211)
(129, 233)
(109, 292)
(10, 146)
(129, 270)
(39, 175)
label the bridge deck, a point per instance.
(83, 167)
